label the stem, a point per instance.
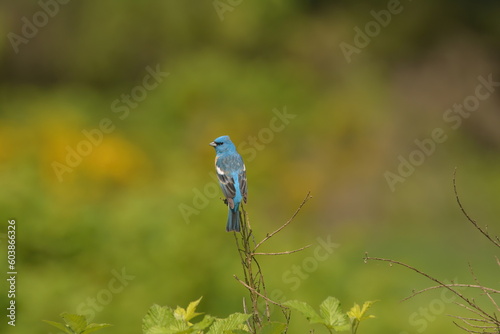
(253, 277)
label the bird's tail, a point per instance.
(233, 219)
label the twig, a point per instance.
(252, 271)
(261, 275)
(366, 258)
(450, 285)
(461, 296)
(484, 232)
(284, 253)
(472, 310)
(466, 329)
(468, 323)
(483, 288)
(467, 318)
(268, 236)
(258, 293)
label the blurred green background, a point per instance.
(140, 199)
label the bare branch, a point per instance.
(483, 288)
(450, 285)
(268, 236)
(467, 318)
(484, 232)
(466, 329)
(471, 310)
(258, 293)
(252, 272)
(468, 323)
(284, 253)
(461, 296)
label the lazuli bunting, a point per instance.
(232, 178)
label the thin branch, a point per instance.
(284, 253)
(268, 236)
(468, 301)
(451, 285)
(466, 329)
(366, 258)
(471, 310)
(258, 293)
(468, 323)
(261, 282)
(483, 288)
(252, 271)
(484, 232)
(467, 318)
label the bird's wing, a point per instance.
(226, 181)
(242, 177)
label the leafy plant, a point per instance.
(76, 324)
(253, 276)
(358, 314)
(331, 314)
(165, 320)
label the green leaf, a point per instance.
(306, 310)
(333, 316)
(207, 321)
(178, 326)
(95, 327)
(159, 330)
(77, 323)
(189, 313)
(58, 326)
(273, 328)
(157, 319)
(233, 322)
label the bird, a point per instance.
(231, 173)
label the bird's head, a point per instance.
(223, 144)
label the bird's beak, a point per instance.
(213, 144)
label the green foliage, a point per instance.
(273, 328)
(76, 324)
(353, 122)
(235, 322)
(188, 313)
(331, 315)
(165, 320)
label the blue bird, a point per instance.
(232, 177)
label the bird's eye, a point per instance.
(218, 143)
